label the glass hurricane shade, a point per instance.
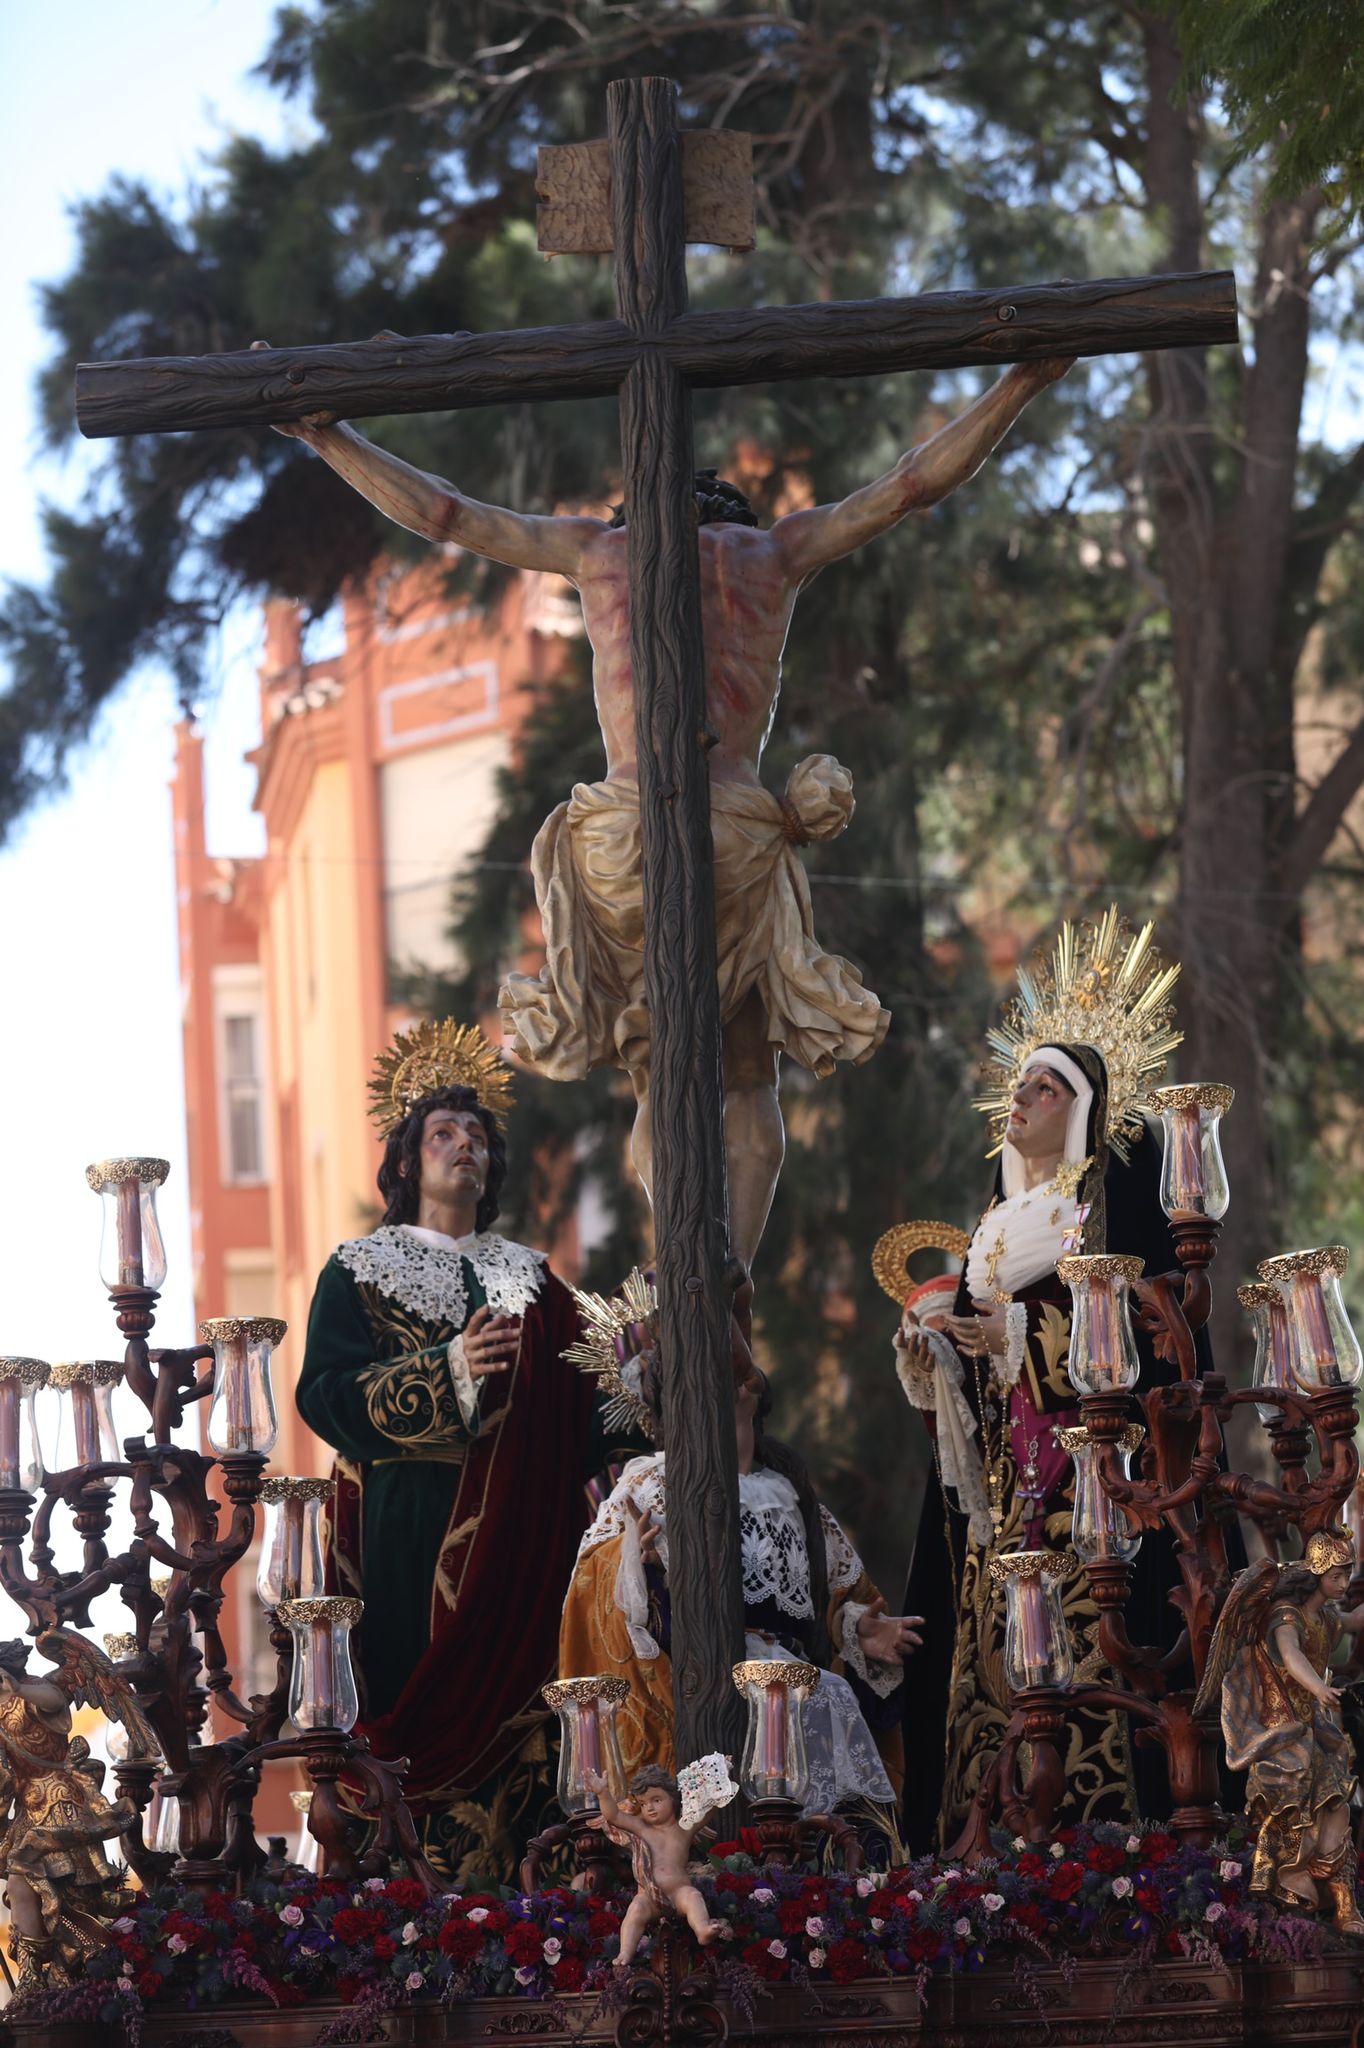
(588, 1741)
(774, 1761)
(1269, 1321)
(1099, 1528)
(1103, 1353)
(85, 1433)
(241, 1416)
(1193, 1174)
(21, 1450)
(322, 1685)
(1037, 1646)
(166, 1825)
(1323, 1350)
(291, 1566)
(132, 1252)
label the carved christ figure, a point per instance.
(779, 991)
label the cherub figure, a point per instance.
(1270, 1664)
(660, 1851)
(59, 1884)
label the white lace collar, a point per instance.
(423, 1270)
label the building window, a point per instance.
(243, 1099)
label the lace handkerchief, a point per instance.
(703, 1786)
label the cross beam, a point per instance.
(652, 355)
(771, 344)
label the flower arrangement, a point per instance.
(383, 1943)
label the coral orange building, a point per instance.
(376, 779)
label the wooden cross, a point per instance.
(652, 355)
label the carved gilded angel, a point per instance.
(60, 1886)
(1270, 1663)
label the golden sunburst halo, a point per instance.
(605, 1318)
(437, 1055)
(1104, 986)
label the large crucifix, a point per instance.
(652, 356)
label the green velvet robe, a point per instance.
(459, 1536)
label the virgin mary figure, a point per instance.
(1079, 1170)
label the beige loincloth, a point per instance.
(587, 1008)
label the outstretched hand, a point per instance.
(888, 1638)
(310, 424)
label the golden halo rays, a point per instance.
(1104, 986)
(434, 1056)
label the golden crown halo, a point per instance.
(433, 1056)
(1104, 986)
(893, 1251)
(605, 1318)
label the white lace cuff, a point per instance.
(882, 1678)
(463, 1382)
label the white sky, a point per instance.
(90, 1015)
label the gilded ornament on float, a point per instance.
(893, 1251)
(611, 1323)
(1327, 1551)
(1103, 986)
(433, 1056)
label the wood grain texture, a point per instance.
(573, 191)
(704, 1573)
(858, 338)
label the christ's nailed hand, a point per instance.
(310, 424)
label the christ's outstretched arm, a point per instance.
(920, 479)
(429, 506)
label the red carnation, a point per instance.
(460, 1941)
(149, 1983)
(722, 1849)
(407, 1893)
(385, 1948)
(921, 1944)
(1066, 1881)
(289, 1994)
(792, 1915)
(1173, 1941)
(847, 1959)
(1031, 1865)
(525, 1943)
(759, 1957)
(1106, 1856)
(601, 1925)
(1027, 1914)
(1158, 1848)
(568, 1973)
(1147, 1898)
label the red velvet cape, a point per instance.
(509, 1550)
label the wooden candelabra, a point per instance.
(1184, 1486)
(176, 1660)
